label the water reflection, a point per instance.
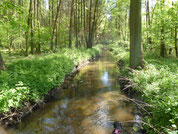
(105, 79)
(88, 108)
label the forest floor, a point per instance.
(22, 84)
(157, 86)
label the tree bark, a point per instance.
(136, 56)
(28, 23)
(38, 21)
(176, 47)
(163, 46)
(2, 64)
(76, 23)
(54, 27)
(89, 42)
(148, 21)
(70, 30)
(32, 31)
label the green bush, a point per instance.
(158, 83)
(30, 79)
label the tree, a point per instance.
(2, 64)
(148, 20)
(29, 21)
(176, 46)
(163, 46)
(136, 57)
(70, 31)
(54, 26)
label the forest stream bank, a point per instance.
(90, 103)
(26, 83)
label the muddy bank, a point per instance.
(15, 116)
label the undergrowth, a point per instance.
(29, 79)
(158, 84)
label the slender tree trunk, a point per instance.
(56, 39)
(176, 45)
(163, 46)
(148, 21)
(70, 30)
(52, 12)
(38, 21)
(84, 21)
(136, 57)
(76, 23)
(89, 43)
(49, 12)
(54, 27)
(28, 23)
(94, 22)
(32, 33)
(2, 64)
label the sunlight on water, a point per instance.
(88, 108)
(105, 79)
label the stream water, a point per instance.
(90, 106)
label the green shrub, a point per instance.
(158, 83)
(30, 79)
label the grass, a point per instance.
(158, 85)
(29, 79)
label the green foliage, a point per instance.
(120, 52)
(158, 83)
(163, 15)
(30, 79)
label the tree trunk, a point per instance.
(28, 23)
(32, 32)
(76, 23)
(2, 64)
(54, 27)
(176, 41)
(70, 30)
(89, 42)
(38, 21)
(148, 21)
(136, 57)
(163, 48)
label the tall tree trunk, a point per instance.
(28, 24)
(76, 23)
(94, 22)
(163, 46)
(56, 39)
(136, 57)
(2, 64)
(89, 43)
(176, 45)
(70, 30)
(148, 21)
(38, 21)
(54, 26)
(32, 32)
(84, 21)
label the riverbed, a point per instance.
(89, 106)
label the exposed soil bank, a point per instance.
(15, 116)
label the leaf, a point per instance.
(135, 128)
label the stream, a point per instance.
(91, 104)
